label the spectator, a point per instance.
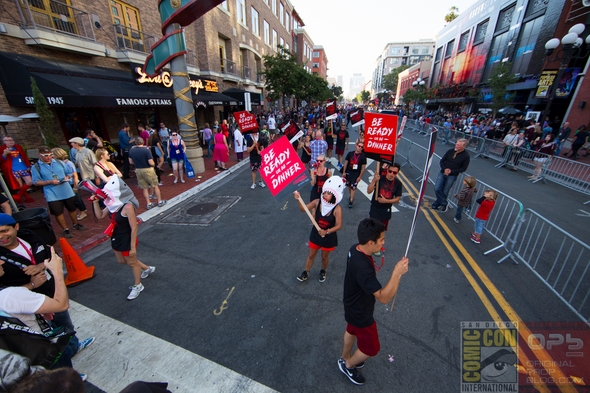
(581, 138)
(487, 202)
(93, 141)
(452, 163)
(221, 151)
(125, 143)
(164, 134)
(318, 148)
(144, 164)
(239, 144)
(207, 136)
(562, 135)
(54, 178)
(464, 197)
(545, 149)
(61, 155)
(176, 153)
(85, 159)
(16, 168)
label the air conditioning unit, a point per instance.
(586, 3)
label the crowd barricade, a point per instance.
(503, 219)
(558, 258)
(402, 152)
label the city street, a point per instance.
(224, 311)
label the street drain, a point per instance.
(201, 208)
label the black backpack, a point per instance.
(40, 348)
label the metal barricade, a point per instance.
(402, 150)
(568, 173)
(558, 258)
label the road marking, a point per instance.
(585, 213)
(224, 303)
(122, 354)
(285, 207)
(540, 353)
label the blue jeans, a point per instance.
(479, 226)
(63, 319)
(441, 189)
(559, 146)
(459, 213)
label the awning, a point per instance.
(70, 85)
(528, 84)
(239, 95)
(207, 98)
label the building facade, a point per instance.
(417, 73)
(86, 58)
(320, 62)
(396, 54)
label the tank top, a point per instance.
(176, 151)
(324, 222)
(316, 190)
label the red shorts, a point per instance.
(367, 338)
(126, 253)
(339, 152)
(314, 246)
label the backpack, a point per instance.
(43, 349)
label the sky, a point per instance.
(354, 33)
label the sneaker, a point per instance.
(162, 203)
(175, 181)
(360, 365)
(353, 373)
(322, 276)
(444, 209)
(82, 345)
(84, 377)
(160, 184)
(182, 181)
(68, 234)
(135, 291)
(153, 196)
(150, 206)
(79, 227)
(261, 184)
(81, 216)
(456, 221)
(434, 207)
(145, 273)
(253, 186)
(350, 204)
(475, 240)
(303, 276)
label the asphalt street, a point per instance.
(226, 290)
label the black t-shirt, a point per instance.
(355, 163)
(360, 283)
(140, 156)
(92, 144)
(389, 190)
(254, 155)
(341, 137)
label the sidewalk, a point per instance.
(93, 235)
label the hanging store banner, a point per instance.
(545, 83)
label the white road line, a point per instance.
(122, 354)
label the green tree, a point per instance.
(416, 95)
(452, 15)
(282, 74)
(365, 96)
(390, 80)
(46, 119)
(336, 90)
(313, 88)
(498, 81)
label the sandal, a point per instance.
(162, 203)
(150, 206)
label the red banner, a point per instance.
(331, 109)
(380, 133)
(281, 166)
(289, 128)
(357, 118)
(246, 121)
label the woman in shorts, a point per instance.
(176, 149)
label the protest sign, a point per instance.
(331, 109)
(289, 128)
(282, 169)
(380, 136)
(246, 121)
(357, 118)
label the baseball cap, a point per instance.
(6, 219)
(77, 140)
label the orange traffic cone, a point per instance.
(77, 270)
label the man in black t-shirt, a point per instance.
(354, 168)
(341, 142)
(255, 146)
(389, 192)
(361, 288)
(141, 157)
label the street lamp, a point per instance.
(571, 49)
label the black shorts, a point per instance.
(56, 208)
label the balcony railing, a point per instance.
(56, 16)
(132, 39)
(228, 67)
(246, 73)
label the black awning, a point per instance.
(208, 98)
(68, 85)
(239, 94)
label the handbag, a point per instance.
(190, 173)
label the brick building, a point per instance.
(86, 59)
(320, 61)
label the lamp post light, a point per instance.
(571, 49)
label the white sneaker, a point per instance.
(253, 186)
(261, 184)
(147, 272)
(135, 291)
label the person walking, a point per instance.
(254, 148)
(388, 193)
(354, 168)
(16, 168)
(125, 143)
(143, 161)
(562, 135)
(453, 162)
(361, 288)
(221, 151)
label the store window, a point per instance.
(127, 26)
(53, 14)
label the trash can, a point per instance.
(37, 220)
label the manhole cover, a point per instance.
(201, 208)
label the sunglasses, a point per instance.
(46, 155)
(174, 134)
(359, 145)
(394, 172)
(321, 160)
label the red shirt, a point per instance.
(483, 213)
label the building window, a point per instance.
(255, 22)
(450, 47)
(394, 60)
(415, 51)
(438, 54)
(241, 8)
(463, 41)
(224, 5)
(128, 26)
(266, 32)
(287, 46)
(266, 2)
(496, 53)
(395, 51)
(282, 42)
(316, 65)
(56, 15)
(287, 22)
(316, 54)
(282, 14)
(274, 39)
(529, 34)
(505, 18)
(222, 54)
(273, 4)
(425, 50)
(480, 32)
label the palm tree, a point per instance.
(452, 15)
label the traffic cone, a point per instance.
(77, 270)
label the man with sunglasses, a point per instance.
(388, 193)
(354, 168)
(54, 177)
